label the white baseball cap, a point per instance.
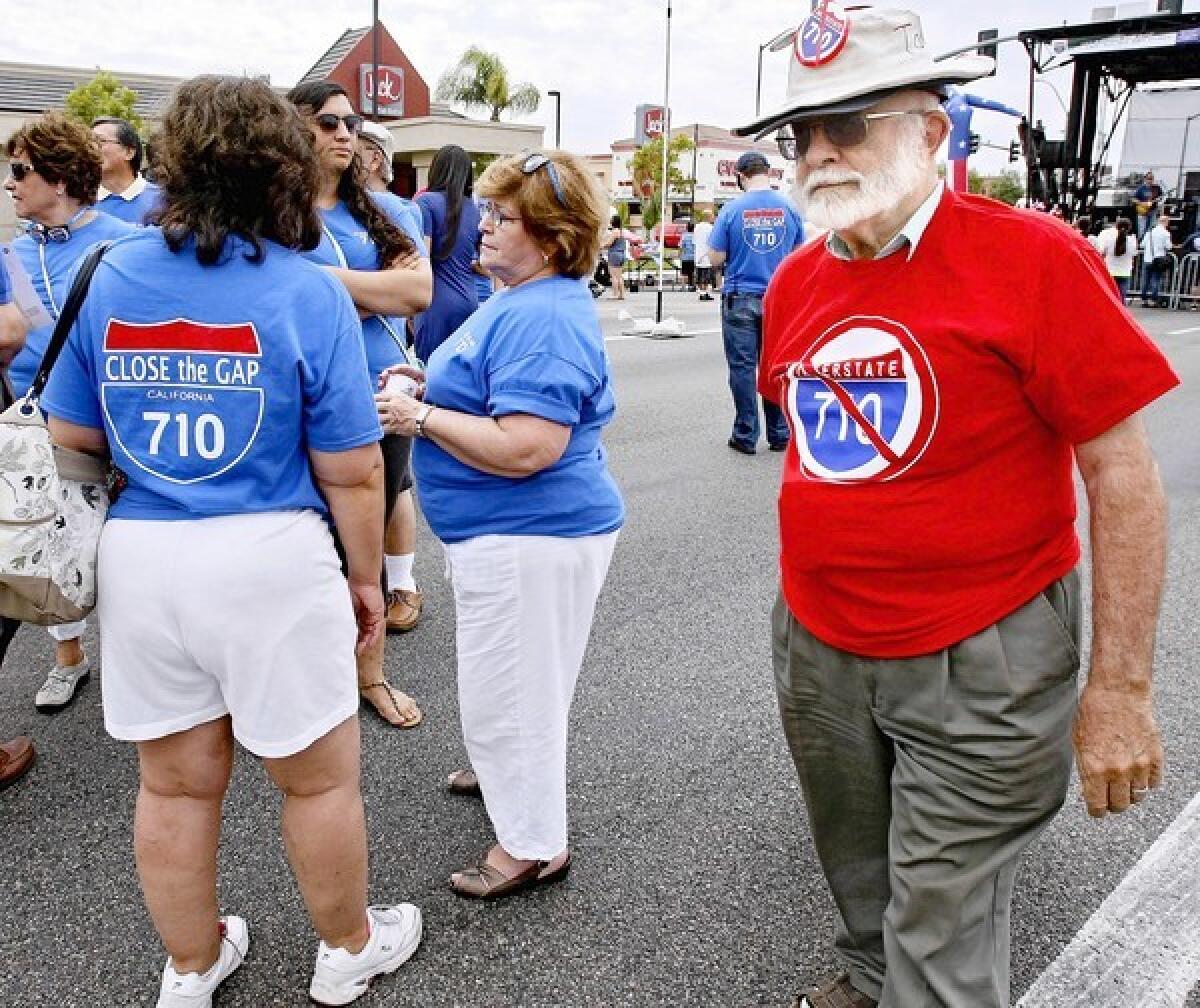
(847, 59)
(381, 137)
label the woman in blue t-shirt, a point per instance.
(451, 222)
(55, 166)
(389, 279)
(513, 479)
(224, 372)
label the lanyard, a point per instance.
(336, 247)
(54, 309)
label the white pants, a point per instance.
(524, 609)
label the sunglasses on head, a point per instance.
(843, 131)
(20, 169)
(535, 161)
(329, 122)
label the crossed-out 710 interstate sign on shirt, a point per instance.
(212, 393)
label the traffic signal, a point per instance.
(974, 143)
(1014, 151)
(987, 45)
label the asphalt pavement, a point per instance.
(694, 879)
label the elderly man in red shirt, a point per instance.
(927, 635)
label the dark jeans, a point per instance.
(741, 327)
(1152, 288)
(8, 630)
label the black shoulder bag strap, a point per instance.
(66, 319)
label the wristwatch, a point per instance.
(419, 424)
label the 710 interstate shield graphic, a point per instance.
(181, 396)
(863, 402)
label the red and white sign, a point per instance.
(391, 89)
(651, 120)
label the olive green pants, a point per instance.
(925, 778)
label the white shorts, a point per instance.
(246, 615)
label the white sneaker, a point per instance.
(195, 990)
(340, 977)
(60, 687)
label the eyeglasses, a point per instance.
(329, 122)
(843, 131)
(491, 212)
(536, 161)
(20, 169)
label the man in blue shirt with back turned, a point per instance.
(752, 236)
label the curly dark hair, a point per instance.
(61, 150)
(352, 190)
(234, 159)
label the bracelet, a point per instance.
(419, 424)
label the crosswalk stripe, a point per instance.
(1142, 946)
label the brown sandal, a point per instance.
(486, 882)
(395, 697)
(464, 782)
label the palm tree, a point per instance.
(479, 80)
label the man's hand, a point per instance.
(369, 613)
(1118, 748)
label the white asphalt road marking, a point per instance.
(1184, 332)
(1142, 946)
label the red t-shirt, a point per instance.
(928, 490)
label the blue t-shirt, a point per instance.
(5, 284)
(756, 232)
(535, 349)
(454, 294)
(213, 382)
(135, 210)
(382, 337)
(60, 260)
(687, 245)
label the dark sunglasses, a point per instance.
(843, 131)
(535, 161)
(20, 169)
(329, 122)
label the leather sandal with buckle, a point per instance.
(484, 881)
(396, 699)
(837, 992)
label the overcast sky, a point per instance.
(605, 56)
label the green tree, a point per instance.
(1007, 187)
(104, 95)
(975, 182)
(647, 164)
(479, 80)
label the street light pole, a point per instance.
(665, 189)
(557, 96)
(375, 60)
(1187, 125)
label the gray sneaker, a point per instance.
(60, 687)
(195, 990)
(340, 977)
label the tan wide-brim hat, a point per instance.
(863, 55)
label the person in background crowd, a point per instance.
(1156, 263)
(363, 243)
(704, 267)
(123, 193)
(615, 253)
(514, 481)
(225, 615)
(687, 255)
(927, 681)
(55, 167)
(17, 755)
(752, 236)
(1119, 250)
(1147, 198)
(451, 225)
(377, 150)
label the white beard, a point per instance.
(865, 195)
